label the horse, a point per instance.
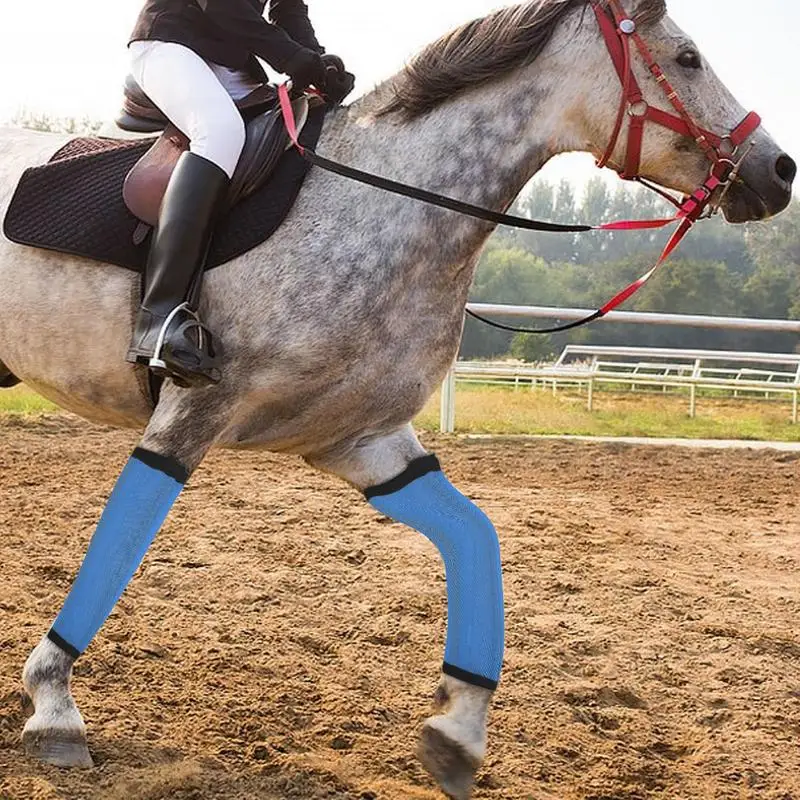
(339, 327)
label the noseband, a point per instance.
(722, 151)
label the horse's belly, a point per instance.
(328, 416)
(64, 330)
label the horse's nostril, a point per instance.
(786, 168)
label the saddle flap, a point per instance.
(265, 142)
(146, 183)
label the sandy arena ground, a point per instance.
(282, 640)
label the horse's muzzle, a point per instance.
(763, 190)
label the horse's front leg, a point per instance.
(399, 479)
(173, 445)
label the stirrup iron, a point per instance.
(190, 363)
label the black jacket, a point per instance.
(230, 32)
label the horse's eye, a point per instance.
(690, 59)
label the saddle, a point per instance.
(98, 197)
(265, 142)
(139, 114)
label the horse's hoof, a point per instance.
(448, 762)
(57, 747)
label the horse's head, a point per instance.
(669, 155)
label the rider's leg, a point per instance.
(166, 335)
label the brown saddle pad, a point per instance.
(74, 204)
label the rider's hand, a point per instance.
(306, 68)
(339, 82)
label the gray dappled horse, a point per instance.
(340, 327)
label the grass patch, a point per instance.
(21, 400)
(499, 410)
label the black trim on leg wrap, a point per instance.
(416, 469)
(62, 644)
(468, 677)
(169, 466)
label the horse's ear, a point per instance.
(649, 12)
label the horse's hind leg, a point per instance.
(7, 379)
(175, 442)
(401, 481)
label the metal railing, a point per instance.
(663, 368)
(637, 318)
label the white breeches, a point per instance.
(196, 97)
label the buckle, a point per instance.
(723, 170)
(638, 109)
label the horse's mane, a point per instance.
(486, 48)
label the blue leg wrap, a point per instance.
(424, 499)
(139, 504)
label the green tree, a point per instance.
(532, 348)
(504, 275)
(720, 269)
(778, 240)
(773, 290)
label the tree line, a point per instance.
(719, 269)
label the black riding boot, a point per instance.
(167, 336)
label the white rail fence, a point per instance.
(767, 374)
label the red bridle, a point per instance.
(618, 30)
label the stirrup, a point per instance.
(177, 356)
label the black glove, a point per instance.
(338, 82)
(306, 68)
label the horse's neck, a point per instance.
(480, 147)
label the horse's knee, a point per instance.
(423, 498)
(474, 525)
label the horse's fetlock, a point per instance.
(47, 666)
(465, 699)
(441, 697)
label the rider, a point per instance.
(193, 58)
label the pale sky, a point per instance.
(68, 57)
